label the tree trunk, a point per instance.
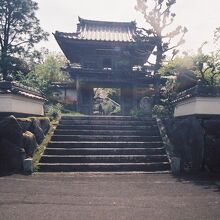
(4, 68)
(4, 64)
(157, 67)
(159, 57)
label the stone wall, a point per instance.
(19, 139)
(196, 141)
(212, 142)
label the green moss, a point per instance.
(30, 118)
(43, 145)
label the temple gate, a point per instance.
(106, 55)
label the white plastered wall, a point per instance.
(198, 105)
(20, 104)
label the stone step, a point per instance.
(103, 158)
(103, 167)
(103, 138)
(112, 118)
(105, 144)
(106, 127)
(153, 132)
(105, 151)
(106, 122)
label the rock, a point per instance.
(25, 124)
(37, 131)
(45, 125)
(11, 156)
(10, 130)
(29, 143)
(11, 152)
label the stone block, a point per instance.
(45, 125)
(28, 165)
(11, 130)
(37, 130)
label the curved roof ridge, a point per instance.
(88, 21)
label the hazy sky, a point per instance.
(201, 17)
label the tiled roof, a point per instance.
(102, 31)
(64, 85)
(14, 88)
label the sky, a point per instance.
(201, 17)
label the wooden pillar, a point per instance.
(135, 97)
(84, 98)
(127, 100)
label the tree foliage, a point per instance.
(114, 94)
(43, 74)
(186, 71)
(208, 67)
(205, 66)
(159, 19)
(19, 30)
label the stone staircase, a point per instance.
(105, 144)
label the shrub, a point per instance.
(160, 110)
(53, 111)
(116, 111)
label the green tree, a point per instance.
(206, 67)
(43, 74)
(114, 94)
(178, 64)
(19, 31)
(159, 18)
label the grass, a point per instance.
(53, 123)
(43, 145)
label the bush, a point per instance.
(116, 111)
(107, 107)
(53, 111)
(114, 94)
(160, 110)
